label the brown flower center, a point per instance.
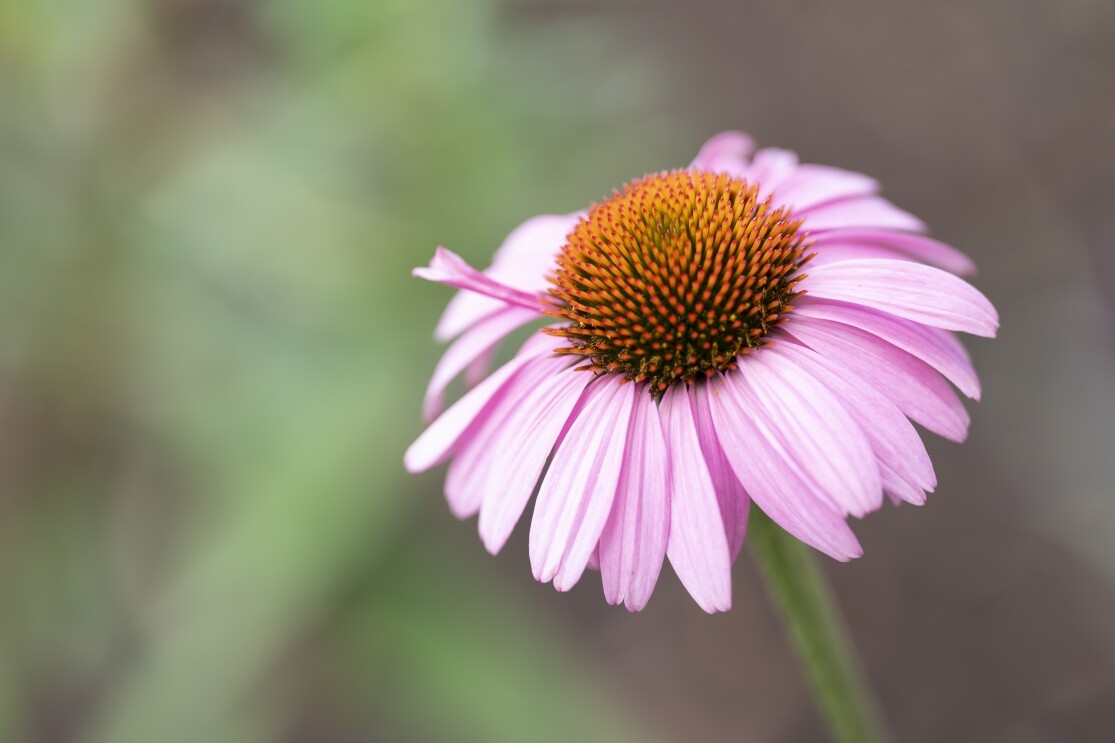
(675, 277)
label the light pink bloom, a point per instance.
(656, 438)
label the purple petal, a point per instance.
(698, 547)
(898, 449)
(446, 267)
(516, 452)
(919, 247)
(938, 348)
(770, 168)
(468, 348)
(773, 479)
(812, 185)
(920, 293)
(633, 543)
(439, 439)
(730, 494)
(859, 211)
(911, 384)
(578, 490)
(726, 152)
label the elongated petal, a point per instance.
(518, 450)
(897, 447)
(859, 211)
(772, 479)
(770, 168)
(578, 490)
(633, 543)
(730, 493)
(698, 547)
(910, 290)
(526, 257)
(446, 267)
(471, 346)
(938, 348)
(812, 185)
(911, 384)
(919, 247)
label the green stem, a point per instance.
(798, 587)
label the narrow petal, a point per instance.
(578, 490)
(897, 447)
(773, 481)
(859, 211)
(938, 348)
(920, 293)
(911, 384)
(518, 450)
(473, 344)
(730, 493)
(726, 152)
(439, 439)
(446, 267)
(482, 459)
(812, 185)
(633, 543)
(919, 247)
(698, 547)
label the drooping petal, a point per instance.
(859, 211)
(437, 442)
(726, 152)
(938, 348)
(472, 345)
(919, 247)
(698, 547)
(898, 449)
(518, 450)
(446, 267)
(910, 290)
(773, 480)
(735, 506)
(633, 543)
(911, 384)
(578, 490)
(482, 456)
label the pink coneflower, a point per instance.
(746, 329)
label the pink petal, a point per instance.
(938, 348)
(859, 211)
(919, 247)
(920, 293)
(773, 478)
(475, 343)
(826, 253)
(726, 152)
(517, 451)
(478, 471)
(735, 506)
(578, 490)
(446, 267)
(698, 547)
(465, 309)
(898, 449)
(814, 430)
(439, 439)
(812, 185)
(770, 168)
(911, 384)
(633, 543)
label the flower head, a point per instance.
(745, 329)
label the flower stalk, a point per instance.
(817, 631)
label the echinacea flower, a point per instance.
(744, 329)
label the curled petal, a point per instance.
(446, 267)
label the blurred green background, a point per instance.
(212, 357)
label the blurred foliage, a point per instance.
(211, 357)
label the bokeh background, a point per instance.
(212, 356)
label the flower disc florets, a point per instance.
(675, 277)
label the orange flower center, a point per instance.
(675, 277)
